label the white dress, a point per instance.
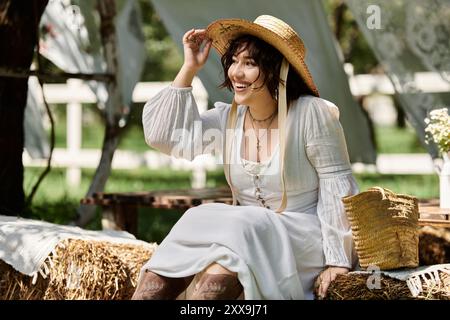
(276, 256)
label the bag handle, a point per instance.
(383, 191)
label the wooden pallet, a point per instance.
(120, 209)
(167, 199)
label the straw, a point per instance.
(79, 269)
(385, 228)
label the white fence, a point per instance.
(74, 93)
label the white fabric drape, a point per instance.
(70, 38)
(413, 36)
(36, 141)
(26, 244)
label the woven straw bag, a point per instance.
(385, 228)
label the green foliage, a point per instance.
(354, 46)
(421, 186)
(163, 58)
(397, 140)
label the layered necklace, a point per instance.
(258, 138)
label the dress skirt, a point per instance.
(275, 256)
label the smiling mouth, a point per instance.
(240, 86)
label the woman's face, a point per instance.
(247, 79)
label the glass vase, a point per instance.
(444, 183)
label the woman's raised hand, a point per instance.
(196, 49)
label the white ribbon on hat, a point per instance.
(282, 117)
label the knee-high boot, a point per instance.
(153, 286)
(217, 287)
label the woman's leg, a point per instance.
(153, 286)
(217, 283)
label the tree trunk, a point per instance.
(338, 16)
(87, 212)
(107, 11)
(18, 32)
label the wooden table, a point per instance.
(120, 209)
(432, 215)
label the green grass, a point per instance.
(397, 140)
(421, 186)
(55, 202)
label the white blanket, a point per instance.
(415, 278)
(25, 244)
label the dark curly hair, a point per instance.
(269, 61)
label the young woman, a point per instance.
(285, 159)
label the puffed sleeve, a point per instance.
(327, 151)
(173, 125)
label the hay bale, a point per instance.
(15, 285)
(353, 286)
(434, 248)
(434, 245)
(91, 270)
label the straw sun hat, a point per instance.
(270, 29)
(282, 37)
